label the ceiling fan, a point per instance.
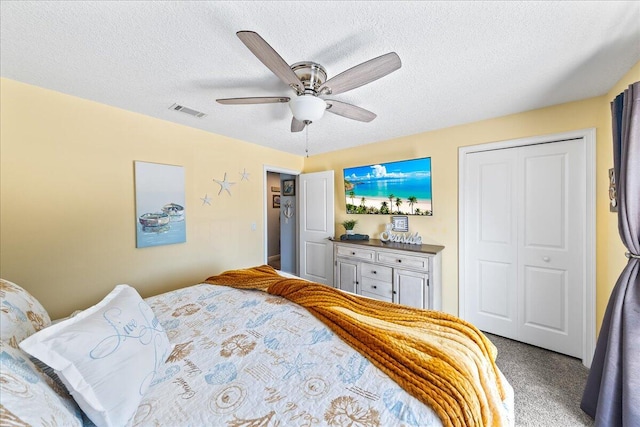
(309, 81)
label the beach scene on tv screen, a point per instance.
(394, 188)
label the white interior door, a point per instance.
(551, 245)
(316, 226)
(491, 249)
(524, 244)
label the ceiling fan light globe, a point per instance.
(307, 108)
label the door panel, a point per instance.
(546, 304)
(315, 251)
(494, 289)
(491, 260)
(552, 248)
(545, 197)
(316, 258)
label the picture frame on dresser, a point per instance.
(400, 223)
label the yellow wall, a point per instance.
(67, 231)
(442, 146)
(67, 199)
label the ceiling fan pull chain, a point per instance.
(306, 149)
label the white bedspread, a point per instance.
(247, 358)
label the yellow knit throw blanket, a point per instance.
(441, 360)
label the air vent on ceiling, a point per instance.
(187, 110)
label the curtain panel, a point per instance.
(612, 392)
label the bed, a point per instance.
(228, 352)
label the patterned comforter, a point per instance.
(247, 358)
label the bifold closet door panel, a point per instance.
(551, 245)
(491, 241)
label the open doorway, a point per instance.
(281, 220)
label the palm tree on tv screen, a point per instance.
(412, 201)
(398, 203)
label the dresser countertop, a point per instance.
(379, 244)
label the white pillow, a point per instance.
(107, 355)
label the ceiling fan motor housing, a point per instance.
(307, 107)
(311, 74)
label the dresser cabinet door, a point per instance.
(411, 288)
(347, 276)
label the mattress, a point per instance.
(247, 358)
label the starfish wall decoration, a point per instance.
(245, 175)
(206, 200)
(224, 185)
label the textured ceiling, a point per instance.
(461, 61)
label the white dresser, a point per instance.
(393, 272)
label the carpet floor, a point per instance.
(548, 386)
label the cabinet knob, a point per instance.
(394, 292)
(399, 260)
(353, 253)
(546, 259)
(374, 272)
(374, 287)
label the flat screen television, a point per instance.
(394, 188)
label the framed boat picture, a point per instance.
(160, 200)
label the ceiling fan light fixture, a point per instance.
(307, 108)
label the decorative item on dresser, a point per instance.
(349, 225)
(393, 272)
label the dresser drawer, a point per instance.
(376, 272)
(376, 296)
(352, 252)
(377, 287)
(401, 260)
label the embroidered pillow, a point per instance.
(28, 397)
(20, 314)
(107, 355)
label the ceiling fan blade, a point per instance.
(271, 59)
(362, 74)
(297, 125)
(349, 111)
(254, 100)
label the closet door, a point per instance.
(491, 241)
(525, 252)
(551, 245)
